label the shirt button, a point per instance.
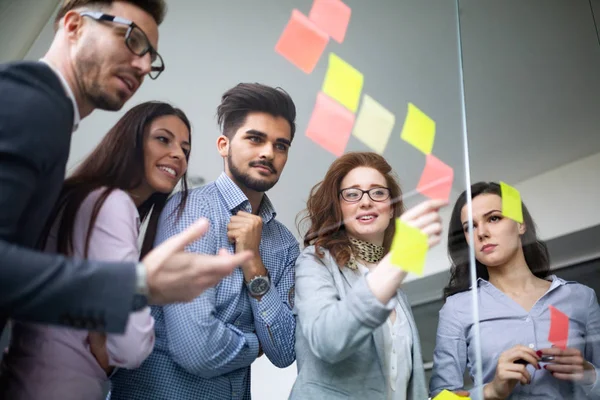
(527, 319)
(531, 346)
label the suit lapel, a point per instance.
(351, 275)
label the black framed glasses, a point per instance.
(353, 195)
(135, 39)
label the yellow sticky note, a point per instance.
(374, 124)
(447, 395)
(409, 248)
(343, 82)
(419, 129)
(511, 202)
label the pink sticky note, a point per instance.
(332, 16)
(436, 180)
(559, 328)
(302, 42)
(330, 125)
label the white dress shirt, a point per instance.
(397, 338)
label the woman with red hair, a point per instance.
(355, 333)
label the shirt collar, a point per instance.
(70, 95)
(236, 200)
(556, 281)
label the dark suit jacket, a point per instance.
(36, 122)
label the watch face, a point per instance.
(259, 286)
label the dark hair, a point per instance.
(156, 8)
(323, 209)
(116, 163)
(245, 98)
(534, 250)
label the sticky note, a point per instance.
(419, 129)
(302, 42)
(559, 328)
(374, 124)
(447, 395)
(332, 17)
(511, 202)
(343, 82)
(409, 248)
(436, 179)
(330, 125)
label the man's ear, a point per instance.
(72, 24)
(223, 145)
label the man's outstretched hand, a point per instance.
(174, 275)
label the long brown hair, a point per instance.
(116, 163)
(534, 249)
(323, 211)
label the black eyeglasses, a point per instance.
(353, 195)
(135, 39)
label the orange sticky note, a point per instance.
(559, 328)
(302, 42)
(332, 16)
(419, 129)
(511, 202)
(409, 248)
(436, 179)
(330, 125)
(447, 395)
(374, 124)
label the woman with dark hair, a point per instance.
(123, 182)
(355, 333)
(515, 290)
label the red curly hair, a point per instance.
(324, 214)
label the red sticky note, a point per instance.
(559, 328)
(332, 16)
(302, 42)
(330, 125)
(436, 179)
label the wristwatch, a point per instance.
(259, 285)
(140, 298)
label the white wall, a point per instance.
(20, 23)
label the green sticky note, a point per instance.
(447, 395)
(419, 129)
(343, 82)
(374, 124)
(511, 202)
(409, 248)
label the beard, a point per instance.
(257, 185)
(88, 67)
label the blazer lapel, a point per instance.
(351, 275)
(379, 346)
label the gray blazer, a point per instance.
(339, 335)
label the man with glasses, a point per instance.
(101, 52)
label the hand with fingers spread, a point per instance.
(509, 373)
(569, 365)
(386, 278)
(174, 275)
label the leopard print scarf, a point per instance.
(365, 251)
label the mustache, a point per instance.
(264, 164)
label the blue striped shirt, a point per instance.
(503, 323)
(204, 348)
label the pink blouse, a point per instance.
(49, 362)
